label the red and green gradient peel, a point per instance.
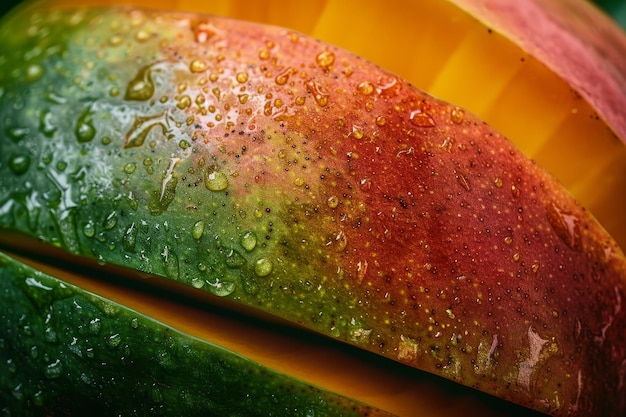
(264, 166)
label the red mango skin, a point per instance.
(385, 218)
(574, 39)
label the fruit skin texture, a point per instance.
(69, 352)
(286, 174)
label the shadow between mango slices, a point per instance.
(333, 205)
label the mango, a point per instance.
(210, 161)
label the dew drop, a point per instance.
(110, 221)
(248, 241)
(242, 77)
(264, 54)
(332, 201)
(234, 259)
(94, 326)
(54, 370)
(45, 124)
(198, 230)
(498, 182)
(365, 87)
(142, 36)
(215, 180)
(129, 239)
(141, 86)
(197, 282)
(134, 323)
(89, 229)
(421, 118)
(325, 59)
(84, 130)
(515, 191)
(114, 340)
(319, 94)
(197, 65)
(457, 115)
(283, 76)
(11, 366)
(223, 288)
(19, 163)
(263, 267)
(34, 72)
(565, 225)
(130, 167)
(141, 127)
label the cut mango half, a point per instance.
(322, 254)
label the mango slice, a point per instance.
(262, 166)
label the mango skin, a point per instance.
(285, 174)
(69, 352)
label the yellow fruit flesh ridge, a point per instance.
(269, 341)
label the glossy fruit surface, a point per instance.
(285, 174)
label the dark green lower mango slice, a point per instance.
(65, 351)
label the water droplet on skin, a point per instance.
(53, 370)
(197, 282)
(325, 59)
(264, 54)
(110, 221)
(89, 229)
(263, 267)
(50, 335)
(34, 72)
(19, 163)
(197, 65)
(332, 201)
(141, 87)
(222, 288)
(234, 259)
(365, 87)
(248, 241)
(11, 366)
(142, 126)
(421, 118)
(134, 323)
(129, 239)
(198, 230)
(114, 340)
(565, 225)
(130, 167)
(242, 77)
(215, 180)
(45, 124)
(94, 326)
(182, 102)
(283, 76)
(319, 94)
(84, 130)
(457, 115)
(498, 182)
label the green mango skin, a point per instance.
(68, 352)
(263, 166)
